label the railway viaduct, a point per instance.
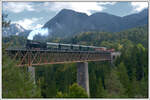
(32, 58)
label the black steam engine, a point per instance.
(34, 45)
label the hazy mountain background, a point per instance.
(15, 29)
(68, 23)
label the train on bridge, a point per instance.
(35, 45)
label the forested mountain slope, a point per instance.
(127, 78)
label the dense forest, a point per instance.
(126, 78)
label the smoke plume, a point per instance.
(40, 31)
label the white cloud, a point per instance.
(139, 6)
(46, 4)
(17, 7)
(38, 26)
(85, 7)
(107, 3)
(28, 23)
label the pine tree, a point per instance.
(60, 95)
(101, 93)
(144, 87)
(5, 21)
(92, 83)
(113, 85)
(134, 86)
(75, 91)
(123, 77)
(16, 82)
(141, 61)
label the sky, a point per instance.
(33, 15)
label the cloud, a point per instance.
(85, 7)
(17, 7)
(29, 23)
(139, 6)
(38, 26)
(107, 3)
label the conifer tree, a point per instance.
(101, 93)
(123, 77)
(75, 91)
(5, 21)
(113, 85)
(16, 82)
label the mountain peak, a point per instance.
(18, 27)
(103, 14)
(67, 10)
(69, 22)
(70, 11)
(13, 29)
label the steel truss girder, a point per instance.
(33, 58)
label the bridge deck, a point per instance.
(51, 50)
(27, 57)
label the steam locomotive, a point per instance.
(66, 47)
(35, 45)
